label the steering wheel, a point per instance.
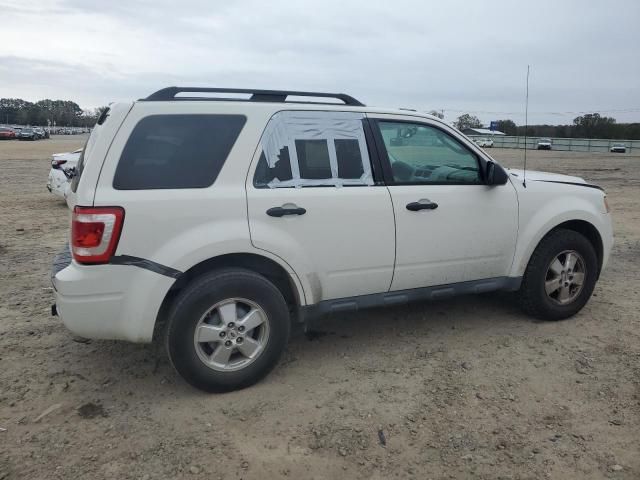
(402, 171)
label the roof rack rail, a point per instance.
(277, 96)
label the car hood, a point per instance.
(535, 176)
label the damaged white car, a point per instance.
(63, 166)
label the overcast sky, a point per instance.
(459, 56)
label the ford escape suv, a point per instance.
(213, 223)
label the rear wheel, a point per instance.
(227, 330)
(560, 277)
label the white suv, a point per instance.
(215, 223)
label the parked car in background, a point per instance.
(41, 132)
(7, 133)
(63, 166)
(484, 142)
(618, 148)
(28, 134)
(544, 144)
(204, 224)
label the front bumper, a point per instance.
(114, 302)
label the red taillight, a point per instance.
(95, 232)
(57, 163)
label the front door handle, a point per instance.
(282, 211)
(426, 205)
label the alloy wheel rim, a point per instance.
(565, 277)
(231, 334)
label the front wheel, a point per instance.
(227, 330)
(560, 277)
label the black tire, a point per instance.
(532, 295)
(200, 295)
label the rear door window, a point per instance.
(176, 151)
(313, 149)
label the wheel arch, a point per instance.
(584, 227)
(262, 265)
(589, 231)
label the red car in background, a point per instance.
(7, 134)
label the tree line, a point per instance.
(69, 114)
(591, 125)
(62, 112)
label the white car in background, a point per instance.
(62, 165)
(544, 144)
(618, 148)
(484, 142)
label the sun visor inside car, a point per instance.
(285, 128)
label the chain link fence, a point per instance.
(562, 144)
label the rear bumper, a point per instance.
(115, 302)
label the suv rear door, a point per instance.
(313, 202)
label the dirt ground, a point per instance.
(464, 388)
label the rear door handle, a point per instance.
(282, 211)
(422, 205)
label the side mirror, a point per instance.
(495, 174)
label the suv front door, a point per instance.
(312, 201)
(450, 226)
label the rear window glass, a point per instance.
(176, 151)
(313, 159)
(349, 158)
(281, 171)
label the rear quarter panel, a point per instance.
(96, 150)
(180, 228)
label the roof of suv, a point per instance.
(275, 98)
